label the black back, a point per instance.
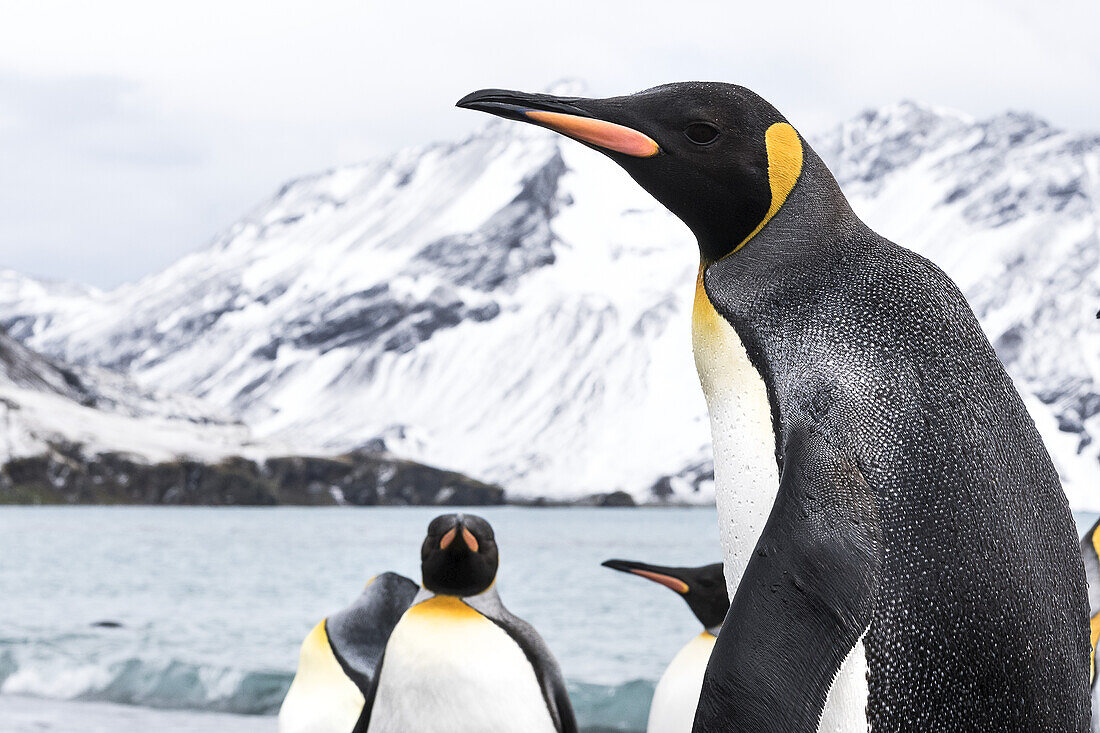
(358, 634)
(978, 622)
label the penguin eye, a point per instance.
(701, 133)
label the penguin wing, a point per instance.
(358, 635)
(540, 657)
(806, 597)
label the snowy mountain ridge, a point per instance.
(513, 307)
(44, 405)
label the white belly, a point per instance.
(677, 694)
(746, 480)
(449, 669)
(746, 477)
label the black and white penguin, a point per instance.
(338, 665)
(1090, 551)
(677, 692)
(897, 545)
(446, 656)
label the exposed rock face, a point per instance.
(65, 476)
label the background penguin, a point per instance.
(898, 547)
(448, 656)
(338, 665)
(1090, 551)
(677, 693)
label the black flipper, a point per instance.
(542, 660)
(806, 598)
(358, 634)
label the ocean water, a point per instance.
(157, 618)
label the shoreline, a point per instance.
(22, 714)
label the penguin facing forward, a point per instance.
(677, 692)
(1090, 552)
(447, 656)
(898, 548)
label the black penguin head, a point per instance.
(704, 588)
(717, 155)
(459, 555)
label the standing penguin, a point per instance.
(445, 657)
(704, 590)
(899, 551)
(337, 675)
(1090, 551)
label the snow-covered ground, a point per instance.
(514, 307)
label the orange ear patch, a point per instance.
(469, 539)
(602, 134)
(448, 538)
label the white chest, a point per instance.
(746, 476)
(448, 668)
(677, 694)
(746, 480)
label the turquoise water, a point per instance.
(213, 602)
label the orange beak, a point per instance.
(566, 115)
(666, 580)
(606, 135)
(468, 539)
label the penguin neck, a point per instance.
(487, 597)
(806, 240)
(815, 206)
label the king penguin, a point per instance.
(899, 551)
(447, 656)
(1090, 551)
(677, 692)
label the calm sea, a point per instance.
(125, 612)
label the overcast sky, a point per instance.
(131, 132)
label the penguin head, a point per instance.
(717, 155)
(459, 555)
(704, 588)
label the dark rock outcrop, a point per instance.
(64, 476)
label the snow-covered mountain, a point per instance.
(514, 307)
(44, 405)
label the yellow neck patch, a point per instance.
(703, 316)
(784, 167)
(1095, 624)
(444, 609)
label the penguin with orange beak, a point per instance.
(447, 657)
(704, 590)
(898, 549)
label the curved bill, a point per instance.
(565, 115)
(656, 573)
